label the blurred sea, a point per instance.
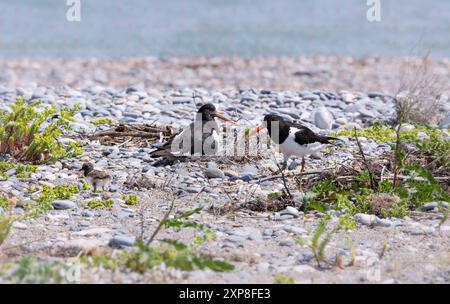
(108, 28)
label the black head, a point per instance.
(269, 118)
(87, 167)
(207, 111)
(277, 127)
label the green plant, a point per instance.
(21, 171)
(174, 253)
(103, 121)
(378, 132)
(347, 223)
(25, 171)
(99, 204)
(319, 241)
(30, 132)
(283, 279)
(50, 194)
(348, 198)
(6, 222)
(30, 270)
(86, 186)
(426, 139)
(105, 261)
(131, 200)
(416, 191)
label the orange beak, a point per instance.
(258, 129)
(220, 116)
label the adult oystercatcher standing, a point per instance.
(293, 139)
(202, 133)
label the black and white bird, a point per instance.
(97, 178)
(202, 133)
(293, 139)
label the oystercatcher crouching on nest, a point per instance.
(201, 136)
(293, 139)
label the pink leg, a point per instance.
(303, 164)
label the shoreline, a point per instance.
(379, 74)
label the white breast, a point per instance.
(291, 148)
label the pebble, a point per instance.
(287, 243)
(295, 230)
(303, 269)
(291, 211)
(445, 121)
(120, 241)
(19, 225)
(268, 232)
(365, 219)
(323, 119)
(214, 173)
(63, 205)
(235, 239)
(383, 222)
(429, 206)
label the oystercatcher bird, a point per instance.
(96, 177)
(202, 133)
(293, 139)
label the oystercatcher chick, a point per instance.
(202, 133)
(97, 178)
(293, 139)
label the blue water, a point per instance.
(108, 28)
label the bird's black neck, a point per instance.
(280, 129)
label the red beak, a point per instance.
(258, 129)
(220, 116)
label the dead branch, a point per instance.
(366, 164)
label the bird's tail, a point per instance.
(326, 140)
(160, 152)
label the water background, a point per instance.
(113, 28)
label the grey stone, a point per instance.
(429, 206)
(365, 219)
(214, 173)
(235, 239)
(120, 241)
(295, 230)
(63, 205)
(445, 121)
(383, 222)
(323, 118)
(287, 243)
(290, 210)
(268, 232)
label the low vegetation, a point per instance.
(103, 121)
(100, 204)
(172, 253)
(393, 186)
(283, 279)
(29, 270)
(17, 169)
(31, 132)
(131, 200)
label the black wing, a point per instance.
(305, 135)
(166, 148)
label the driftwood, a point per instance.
(141, 135)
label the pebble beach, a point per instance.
(327, 94)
